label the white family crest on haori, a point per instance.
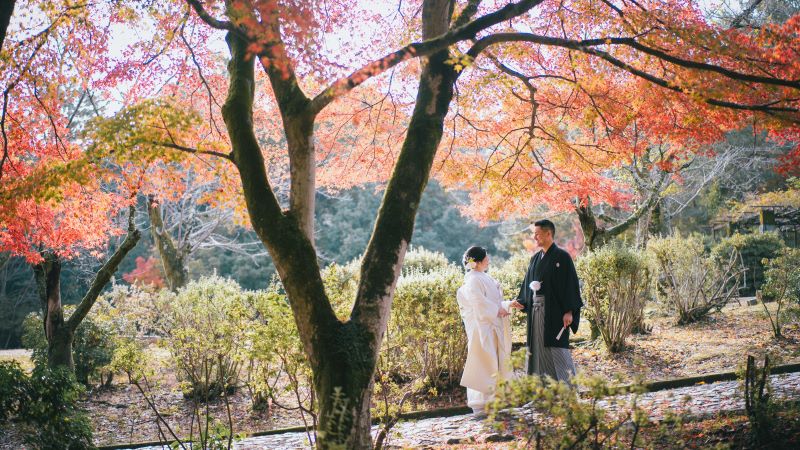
(488, 337)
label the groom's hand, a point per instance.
(567, 319)
(517, 305)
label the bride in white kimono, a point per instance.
(485, 315)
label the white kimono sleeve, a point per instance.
(485, 309)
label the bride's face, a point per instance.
(483, 265)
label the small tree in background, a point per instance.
(782, 285)
(689, 282)
(616, 287)
(753, 248)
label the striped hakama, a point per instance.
(555, 362)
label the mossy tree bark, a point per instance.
(173, 259)
(342, 354)
(60, 332)
(596, 235)
(6, 11)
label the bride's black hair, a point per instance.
(477, 254)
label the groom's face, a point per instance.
(543, 237)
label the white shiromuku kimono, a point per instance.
(488, 337)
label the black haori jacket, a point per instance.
(556, 271)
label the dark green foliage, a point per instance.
(571, 421)
(46, 405)
(754, 248)
(758, 404)
(250, 272)
(12, 388)
(51, 410)
(345, 222)
(33, 338)
(17, 298)
(92, 347)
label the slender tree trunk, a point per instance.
(596, 236)
(592, 233)
(59, 332)
(59, 336)
(172, 259)
(6, 11)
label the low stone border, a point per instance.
(461, 410)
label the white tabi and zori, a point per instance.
(550, 297)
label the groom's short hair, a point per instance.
(547, 225)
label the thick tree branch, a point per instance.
(587, 46)
(211, 20)
(418, 49)
(652, 199)
(194, 151)
(291, 250)
(6, 11)
(105, 273)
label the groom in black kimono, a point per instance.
(555, 309)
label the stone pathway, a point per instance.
(697, 399)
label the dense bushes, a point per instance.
(616, 284)
(45, 403)
(689, 282)
(782, 286)
(12, 389)
(92, 347)
(754, 248)
(205, 326)
(419, 260)
(562, 416)
(425, 338)
(277, 362)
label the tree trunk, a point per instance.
(172, 259)
(347, 379)
(6, 11)
(342, 355)
(60, 333)
(596, 236)
(59, 336)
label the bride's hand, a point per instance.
(502, 313)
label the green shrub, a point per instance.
(425, 337)
(205, 325)
(754, 248)
(782, 285)
(688, 282)
(616, 287)
(33, 338)
(278, 364)
(13, 387)
(50, 411)
(341, 284)
(509, 274)
(560, 418)
(419, 260)
(421, 341)
(92, 346)
(129, 310)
